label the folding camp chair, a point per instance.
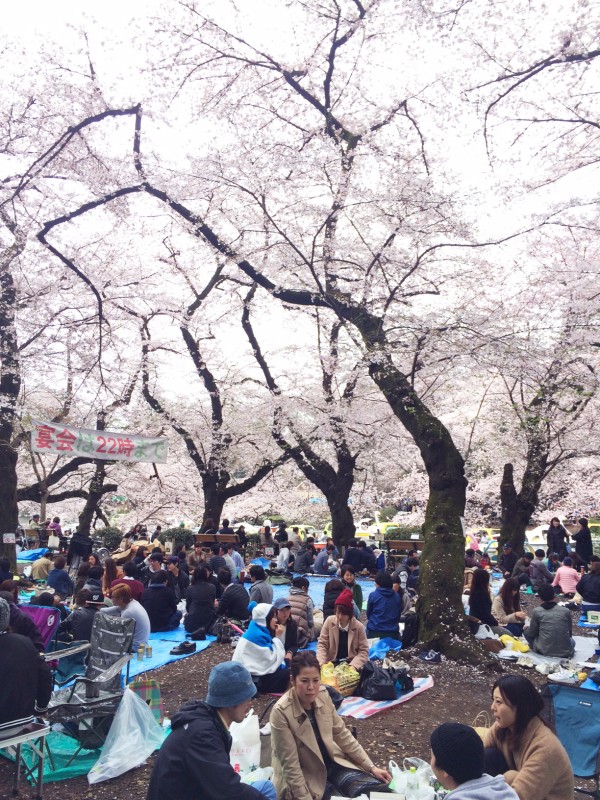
(86, 709)
(33, 736)
(574, 715)
(46, 620)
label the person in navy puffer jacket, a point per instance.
(384, 608)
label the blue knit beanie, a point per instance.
(229, 684)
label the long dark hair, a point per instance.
(519, 693)
(510, 601)
(480, 582)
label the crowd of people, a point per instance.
(314, 755)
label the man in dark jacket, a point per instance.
(193, 763)
(58, 578)
(507, 561)
(353, 556)
(159, 601)
(583, 541)
(26, 678)
(178, 580)
(233, 603)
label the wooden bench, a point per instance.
(208, 539)
(397, 548)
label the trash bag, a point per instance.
(377, 683)
(134, 735)
(382, 647)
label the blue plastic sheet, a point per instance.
(381, 648)
(32, 555)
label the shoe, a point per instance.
(431, 656)
(184, 649)
(564, 676)
(199, 635)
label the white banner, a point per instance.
(64, 440)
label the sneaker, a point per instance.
(183, 649)
(564, 676)
(431, 656)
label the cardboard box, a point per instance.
(593, 617)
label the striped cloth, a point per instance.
(359, 708)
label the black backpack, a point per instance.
(410, 635)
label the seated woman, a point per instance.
(506, 607)
(262, 652)
(314, 753)
(348, 576)
(550, 632)
(589, 588)
(200, 600)
(520, 746)
(566, 578)
(384, 608)
(343, 637)
(480, 603)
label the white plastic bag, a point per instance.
(245, 747)
(424, 775)
(260, 774)
(133, 736)
(485, 632)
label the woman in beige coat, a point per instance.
(343, 636)
(313, 751)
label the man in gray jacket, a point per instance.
(260, 591)
(540, 574)
(550, 632)
(457, 759)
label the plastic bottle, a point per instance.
(412, 784)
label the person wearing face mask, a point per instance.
(343, 638)
(520, 746)
(314, 753)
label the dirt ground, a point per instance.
(459, 693)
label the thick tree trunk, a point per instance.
(214, 498)
(342, 521)
(516, 511)
(94, 497)
(9, 510)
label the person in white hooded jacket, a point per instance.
(262, 652)
(457, 759)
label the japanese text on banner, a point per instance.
(63, 440)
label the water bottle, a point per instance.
(412, 784)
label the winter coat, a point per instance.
(484, 788)
(540, 574)
(26, 682)
(583, 544)
(304, 560)
(384, 608)
(290, 637)
(302, 608)
(353, 556)
(261, 592)
(160, 605)
(79, 623)
(357, 594)
(589, 588)
(550, 631)
(522, 567)
(557, 538)
(358, 648)
(507, 562)
(234, 602)
(258, 652)
(539, 767)
(300, 772)
(333, 589)
(193, 761)
(178, 583)
(80, 545)
(200, 606)
(58, 579)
